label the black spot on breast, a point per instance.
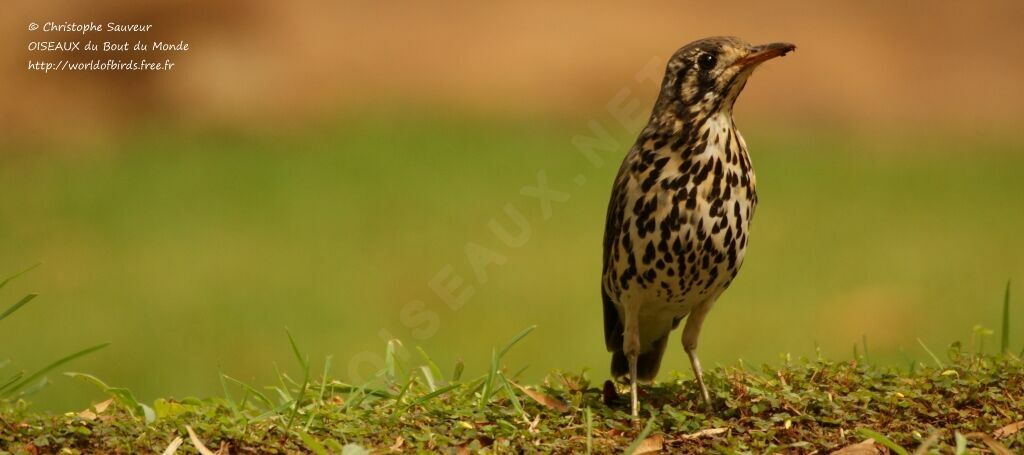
(684, 167)
(704, 171)
(650, 275)
(691, 198)
(649, 253)
(638, 205)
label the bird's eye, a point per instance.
(706, 61)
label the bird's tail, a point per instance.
(647, 364)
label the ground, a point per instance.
(969, 403)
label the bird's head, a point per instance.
(707, 75)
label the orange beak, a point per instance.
(765, 52)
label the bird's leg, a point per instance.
(699, 374)
(631, 348)
(690, 334)
(632, 386)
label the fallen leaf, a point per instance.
(1008, 430)
(653, 444)
(95, 410)
(703, 433)
(992, 444)
(533, 425)
(543, 398)
(865, 447)
(172, 448)
(197, 443)
(398, 444)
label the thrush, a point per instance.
(679, 217)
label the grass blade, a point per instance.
(227, 395)
(496, 357)
(21, 303)
(1004, 347)
(11, 381)
(515, 340)
(513, 398)
(391, 364)
(641, 437)
(883, 440)
(930, 353)
(304, 362)
(430, 364)
(431, 395)
(429, 376)
(8, 279)
(255, 392)
(405, 389)
(485, 394)
(323, 379)
(42, 371)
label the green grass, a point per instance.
(801, 405)
(190, 251)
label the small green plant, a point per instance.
(21, 384)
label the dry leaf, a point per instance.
(865, 447)
(172, 448)
(398, 444)
(703, 433)
(197, 443)
(653, 444)
(95, 410)
(543, 398)
(1008, 430)
(533, 425)
(992, 444)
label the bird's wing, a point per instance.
(612, 230)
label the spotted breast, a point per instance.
(681, 227)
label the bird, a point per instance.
(678, 219)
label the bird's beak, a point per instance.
(764, 52)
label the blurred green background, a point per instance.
(191, 217)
